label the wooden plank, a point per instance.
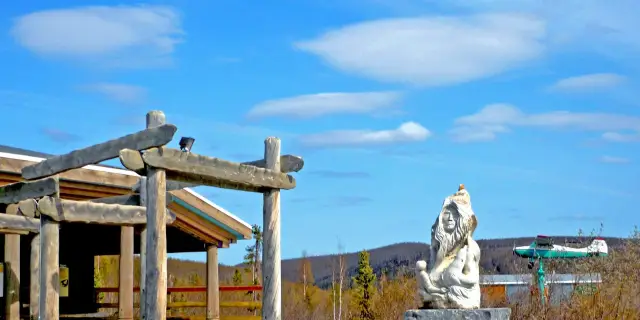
(125, 294)
(12, 276)
(213, 284)
(288, 163)
(89, 212)
(271, 257)
(156, 267)
(16, 192)
(34, 278)
(18, 223)
(171, 185)
(50, 268)
(203, 170)
(142, 140)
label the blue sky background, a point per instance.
(534, 107)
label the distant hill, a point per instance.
(496, 258)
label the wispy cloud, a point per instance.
(431, 51)
(322, 104)
(340, 174)
(494, 119)
(59, 136)
(406, 132)
(588, 82)
(117, 36)
(118, 92)
(616, 160)
(349, 201)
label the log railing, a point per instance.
(195, 304)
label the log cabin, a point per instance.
(199, 226)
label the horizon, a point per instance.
(392, 105)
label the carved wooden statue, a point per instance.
(454, 258)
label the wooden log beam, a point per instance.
(288, 163)
(192, 168)
(127, 200)
(12, 276)
(34, 277)
(125, 285)
(145, 139)
(16, 192)
(11, 223)
(213, 284)
(88, 212)
(156, 267)
(271, 257)
(143, 249)
(49, 269)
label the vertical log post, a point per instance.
(125, 291)
(12, 276)
(143, 250)
(34, 278)
(213, 284)
(49, 268)
(156, 268)
(271, 273)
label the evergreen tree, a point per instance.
(306, 277)
(237, 278)
(364, 287)
(253, 261)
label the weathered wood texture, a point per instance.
(127, 200)
(213, 284)
(143, 249)
(34, 278)
(100, 213)
(171, 185)
(288, 163)
(145, 139)
(125, 292)
(132, 160)
(271, 273)
(203, 170)
(16, 192)
(12, 276)
(28, 208)
(9, 223)
(50, 269)
(156, 267)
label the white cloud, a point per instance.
(321, 104)
(432, 50)
(498, 118)
(118, 35)
(610, 159)
(621, 137)
(123, 93)
(589, 82)
(407, 132)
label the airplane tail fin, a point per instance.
(598, 246)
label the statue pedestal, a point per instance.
(459, 314)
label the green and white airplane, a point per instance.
(543, 248)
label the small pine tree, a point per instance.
(364, 288)
(237, 278)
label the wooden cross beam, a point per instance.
(127, 200)
(145, 139)
(16, 192)
(209, 171)
(18, 224)
(90, 212)
(132, 160)
(27, 208)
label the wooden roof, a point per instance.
(195, 214)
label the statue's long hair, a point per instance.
(442, 243)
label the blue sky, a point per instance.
(534, 107)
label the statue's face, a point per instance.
(449, 219)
